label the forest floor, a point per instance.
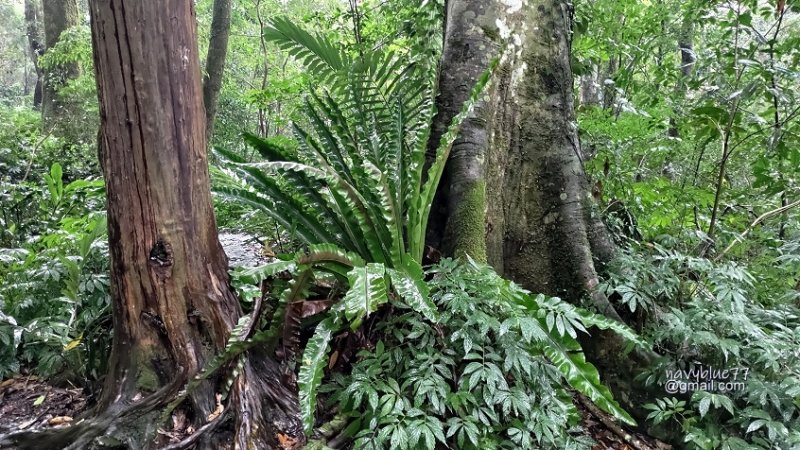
(27, 402)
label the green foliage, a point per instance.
(357, 180)
(54, 288)
(490, 374)
(719, 315)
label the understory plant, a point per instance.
(718, 316)
(357, 191)
(54, 303)
(489, 375)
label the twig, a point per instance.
(33, 154)
(760, 219)
(629, 439)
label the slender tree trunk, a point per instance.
(591, 88)
(686, 49)
(35, 45)
(173, 309)
(215, 61)
(58, 15)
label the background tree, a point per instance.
(35, 45)
(58, 16)
(215, 60)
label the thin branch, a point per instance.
(750, 228)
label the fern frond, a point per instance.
(285, 210)
(367, 292)
(267, 149)
(255, 275)
(316, 52)
(409, 282)
(566, 355)
(311, 370)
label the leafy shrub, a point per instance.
(707, 314)
(54, 288)
(489, 375)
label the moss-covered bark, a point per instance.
(465, 224)
(472, 40)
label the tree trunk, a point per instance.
(35, 46)
(538, 202)
(686, 49)
(58, 15)
(215, 61)
(591, 88)
(173, 309)
(471, 41)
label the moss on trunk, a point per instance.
(465, 225)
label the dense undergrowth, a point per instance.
(459, 356)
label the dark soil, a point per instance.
(27, 403)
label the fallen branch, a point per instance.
(750, 228)
(629, 439)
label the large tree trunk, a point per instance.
(538, 202)
(215, 60)
(58, 15)
(35, 45)
(173, 308)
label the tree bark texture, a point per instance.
(215, 60)
(471, 41)
(35, 45)
(173, 308)
(591, 88)
(59, 16)
(538, 200)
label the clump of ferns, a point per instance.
(357, 191)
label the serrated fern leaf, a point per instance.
(319, 55)
(367, 292)
(414, 290)
(311, 370)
